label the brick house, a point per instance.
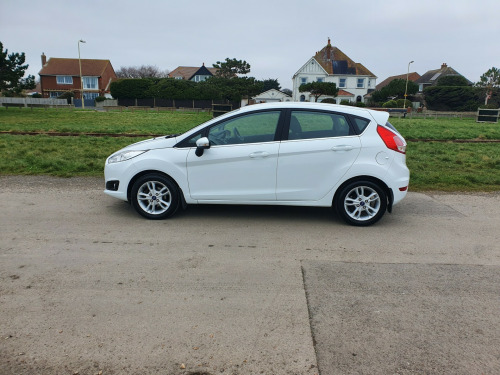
(60, 75)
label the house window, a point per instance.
(90, 83)
(90, 95)
(64, 80)
(55, 94)
(320, 79)
(303, 80)
(369, 83)
(361, 83)
(342, 82)
(200, 78)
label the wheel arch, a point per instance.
(382, 184)
(153, 171)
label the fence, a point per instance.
(175, 103)
(33, 102)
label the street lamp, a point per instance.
(81, 78)
(406, 88)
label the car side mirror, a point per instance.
(202, 144)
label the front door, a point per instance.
(240, 165)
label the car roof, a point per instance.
(380, 117)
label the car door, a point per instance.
(320, 149)
(240, 165)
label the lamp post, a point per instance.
(406, 88)
(81, 78)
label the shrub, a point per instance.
(67, 95)
(453, 98)
(345, 102)
(360, 104)
(489, 106)
(390, 104)
(100, 99)
(406, 103)
(329, 100)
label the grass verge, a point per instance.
(436, 165)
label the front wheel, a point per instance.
(155, 196)
(361, 203)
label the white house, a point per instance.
(332, 65)
(272, 95)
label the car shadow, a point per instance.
(238, 213)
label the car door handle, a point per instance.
(342, 148)
(259, 154)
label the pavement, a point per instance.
(90, 287)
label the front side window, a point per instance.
(321, 79)
(361, 83)
(55, 94)
(309, 125)
(342, 82)
(303, 80)
(64, 80)
(252, 128)
(90, 83)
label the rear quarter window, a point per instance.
(360, 124)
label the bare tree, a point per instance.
(143, 71)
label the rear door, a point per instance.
(320, 149)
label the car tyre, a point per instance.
(155, 196)
(361, 203)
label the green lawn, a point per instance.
(438, 165)
(116, 122)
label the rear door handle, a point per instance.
(259, 154)
(342, 148)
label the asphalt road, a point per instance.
(90, 287)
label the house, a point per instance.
(192, 73)
(414, 76)
(431, 77)
(60, 75)
(272, 95)
(332, 65)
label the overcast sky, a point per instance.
(276, 37)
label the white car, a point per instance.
(299, 154)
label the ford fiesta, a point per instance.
(300, 154)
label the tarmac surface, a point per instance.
(87, 286)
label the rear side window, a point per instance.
(360, 123)
(309, 125)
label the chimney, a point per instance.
(444, 65)
(44, 59)
(329, 41)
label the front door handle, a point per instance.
(342, 148)
(259, 154)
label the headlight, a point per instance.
(125, 155)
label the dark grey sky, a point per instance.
(275, 36)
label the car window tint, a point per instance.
(308, 125)
(256, 127)
(360, 124)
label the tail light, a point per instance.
(392, 140)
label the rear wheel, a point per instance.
(155, 196)
(361, 203)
